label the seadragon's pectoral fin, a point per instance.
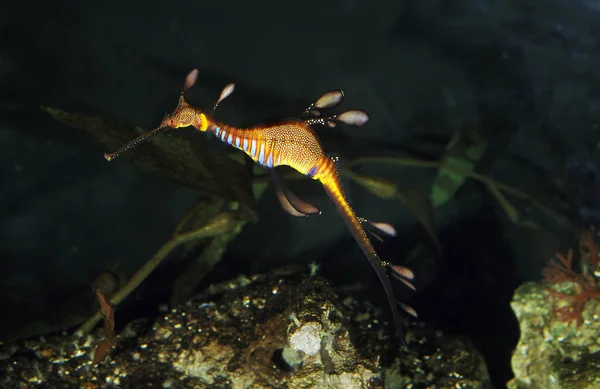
(291, 203)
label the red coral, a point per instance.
(585, 284)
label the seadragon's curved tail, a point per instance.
(330, 180)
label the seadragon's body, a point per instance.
(293, 143)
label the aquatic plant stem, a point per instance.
(492, 184)
(221, 223)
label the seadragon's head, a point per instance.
(184, 115)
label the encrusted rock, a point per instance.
(554, 354)
(437, 361)
(279, 330)
(274, 331)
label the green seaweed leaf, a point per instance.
(463, 152)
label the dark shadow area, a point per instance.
(472, 293)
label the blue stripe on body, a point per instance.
(261, 154)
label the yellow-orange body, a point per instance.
(291, 143)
